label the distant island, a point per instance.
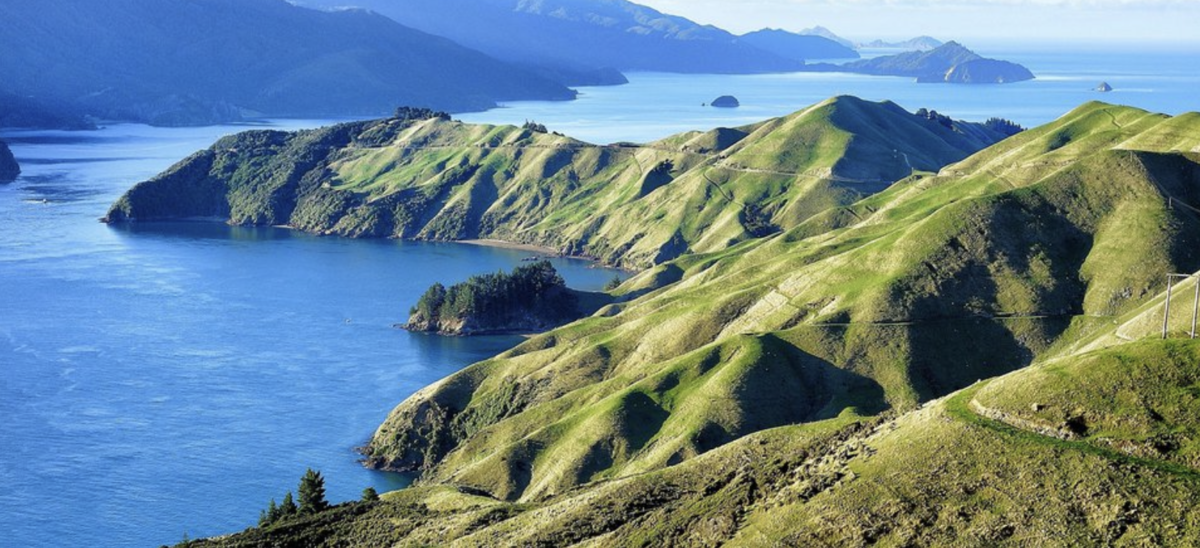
(9, 170)
(533, 298)
(1104, 87)
(726, 101)
(950, 63)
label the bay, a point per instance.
(170, 379)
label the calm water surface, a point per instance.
(655, 105)
(171, 379)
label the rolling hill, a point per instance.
(210, 61)
(966, 357)
(424, 176)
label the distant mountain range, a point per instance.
(581, 34)
(172, 62)
(798, 47)
(195, 62)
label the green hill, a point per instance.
(985, 466)
(903, 297)
(422, 176)
(965, 357)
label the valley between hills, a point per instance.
(853, 325)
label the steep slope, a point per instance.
(580, 34)
(798, 46)
(9, 169)
(228, 58)
(423, 176)
(901, 298)
(948, 63)
(968, 469)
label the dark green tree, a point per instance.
(288, 508)
(273, 513)
(312, 493)
(370, 495)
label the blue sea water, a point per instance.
(164, 380)
(656, 105)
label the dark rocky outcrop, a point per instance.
(726, 101)
(9, 170)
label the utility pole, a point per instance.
(1195, 303)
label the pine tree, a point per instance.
(288, 508)
(370, 495)
(312, 493)
(273, 513)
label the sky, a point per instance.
(1115, 21)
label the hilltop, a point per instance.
(231, 59)
(421, 175)
(896, 370)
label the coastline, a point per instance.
(502, 244)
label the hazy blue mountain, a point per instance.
(798, 46)
(950, 63)
(920, 43)
(175, 62)
(826, 33)
(26, 112)
(582, 34)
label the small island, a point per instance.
(1103, 87)
(533, 298)
(726, 101)
(9, 170)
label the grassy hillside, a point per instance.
(903, 297)
(950, 473)
(859, 379)
(423, 176)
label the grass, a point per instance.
(442, 180)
